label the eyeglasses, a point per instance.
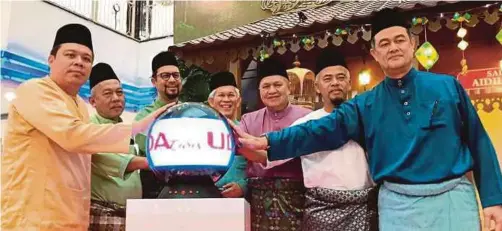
(166, 75)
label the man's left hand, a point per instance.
(232, 190)
(493, 213)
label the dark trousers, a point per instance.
(151, 184)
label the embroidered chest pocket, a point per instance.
(434, 114)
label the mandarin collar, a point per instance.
(279, 114)
(158, 103)
(404, 81)
(103, 120)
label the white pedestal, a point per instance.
(201, 214)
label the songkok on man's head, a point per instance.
(329, 57)
(271, 67)
(164, 58)
(73, 33)
(387, 18)
(101, 72)
(221, 79)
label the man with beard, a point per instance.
(166, 78)
(340, 193)
(225, 98)
(422, 134)
(46, 161)
(114, 177)
(276, 195)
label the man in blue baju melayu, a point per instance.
(422, 135)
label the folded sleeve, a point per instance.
(236, 173)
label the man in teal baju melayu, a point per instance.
(422, 135)
(225, 97)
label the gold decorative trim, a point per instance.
(277, 7)
(487, 104)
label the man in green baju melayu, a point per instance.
(114, 177)
(166, 79)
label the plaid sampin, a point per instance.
(107, 216)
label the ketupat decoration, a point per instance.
(264, 55)
(462, 45)
(499, 36)
(422, 20)
(279, 43)
(339, 31)
(308, 42)
(461, 32)
(427, 55)
(419, 25)
(461, 18)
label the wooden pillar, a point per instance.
(236, 68)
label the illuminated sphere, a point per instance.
(190, 139)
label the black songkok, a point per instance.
(221, 79)
(164, 58)
(271, 67)
(73, 33)
(329, 57)
(387, 18)
(101, 72)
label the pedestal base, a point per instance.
(201, 214)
